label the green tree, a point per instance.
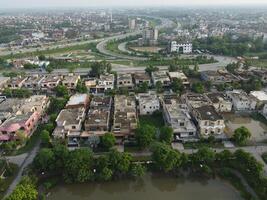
(108, 140)
(198, 87)
(81, 87)
(143, 87)
(144, 135)
(159, 87)
(42, 57)
(78, 166)
(61, 91)
(45, 137)
(61, 154)
(241, 135)
(165, 158)
(119, 162)
(49, 69)
(137, 170)
(177, 86)
(44, 160)
(166, 134)
(25, 190)
(104, 173)
(151, 69)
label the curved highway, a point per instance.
(101, 46)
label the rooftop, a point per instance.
(70, 116)
(208, 112)
(259, 95)
(77, 99)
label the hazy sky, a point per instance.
(80, 3)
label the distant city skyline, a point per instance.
(103, 3)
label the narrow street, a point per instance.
(28, 159)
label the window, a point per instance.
(73, 127)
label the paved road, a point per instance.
(165, 23)
(27, 161)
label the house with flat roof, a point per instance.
(260, 97)
(98, 119)
(195, 100)
(209, 121)
(176, 115)
(78, 101)
(71, 81)
(142, 77)
(220, 101)
(161, 76)
(218, 77)
(100, 85)
(35, 103)
(148, 103)
(16, 82)
(179, 75)
(33, 82)
(125, 81)
(50, 82)
(241, 100)
(24, 124)
(125, 116)
(3, 82)
(69, 125)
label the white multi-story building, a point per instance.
(241, 100)
(176, 115)
(181, 47)
(148, 103)
(132, 24)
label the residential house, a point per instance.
(161, 76)
(33, 82)
(148, 103)
(209, 121)
(125, 81)
(194, 100)
(260, 97)
(176, 115)
(241, 100)
(220, 101)
(16, 82)
(78, 101)
(3, 82)
(24, 124)
(50, 82)
(98, 119)
(142, 77)
(125, 117)
(216, 78)
(180, 76)
(69, 125)
(71, 81)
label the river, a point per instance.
(156, 187)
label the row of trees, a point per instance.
(80, 165)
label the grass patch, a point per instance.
(10, 175)
(88, 46)
(156, 119)
(141, 158)
(197, 145)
